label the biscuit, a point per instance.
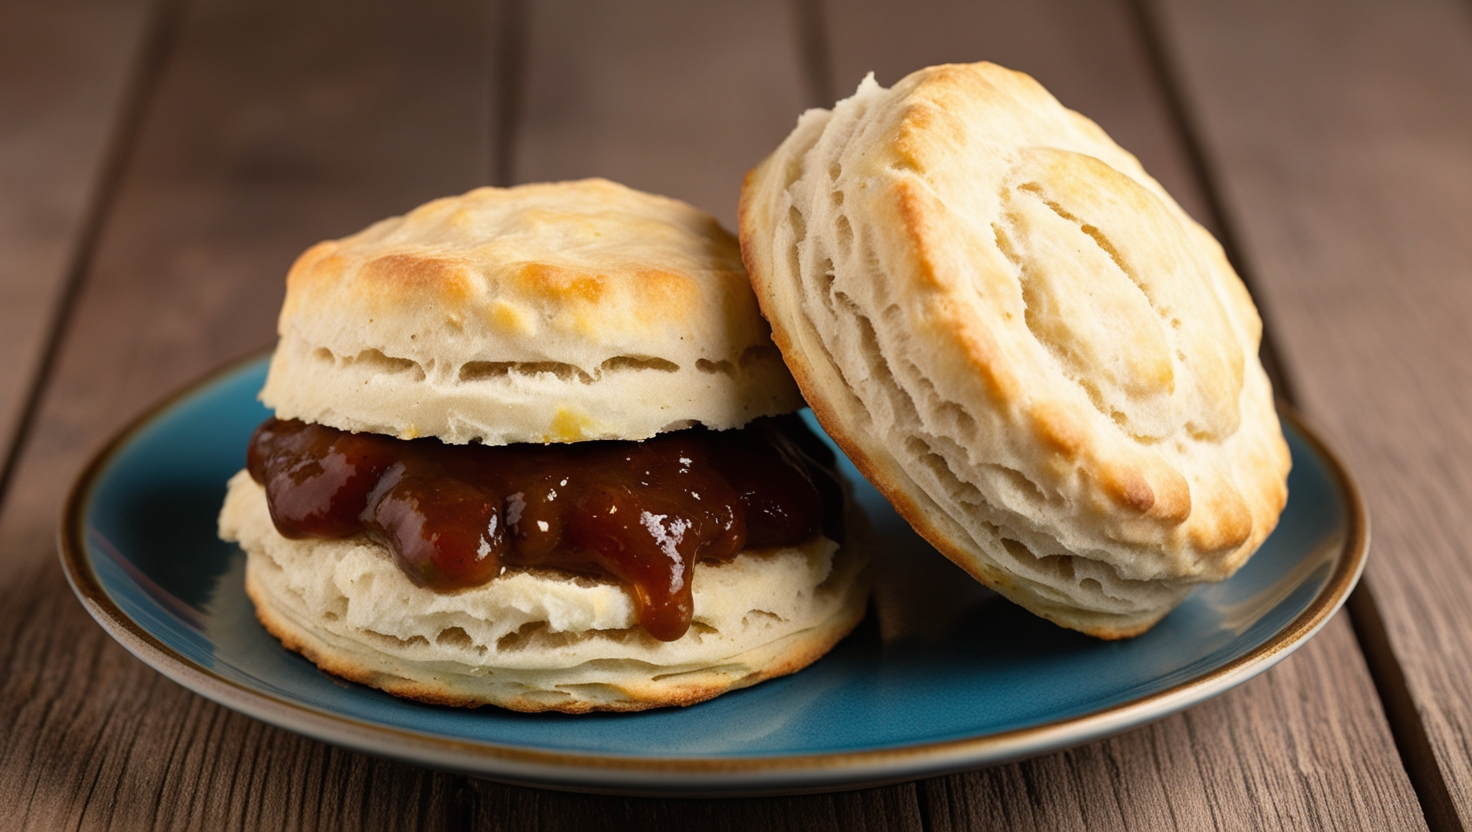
(556, 312)
(536, 640)
(1022, 341)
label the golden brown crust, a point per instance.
(553, 312)
(1022, 341)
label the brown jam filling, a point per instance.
(641, 513)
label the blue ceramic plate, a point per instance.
(942, 676)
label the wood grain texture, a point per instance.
(1343, 137)
(64, 71)
(1269, 755)
(872, 810)
(277, 123)
(680, 99)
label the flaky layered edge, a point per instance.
(574, 646)
(1009, 553)
(500, 403)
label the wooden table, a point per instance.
(162, 162)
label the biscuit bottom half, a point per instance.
(536, 640)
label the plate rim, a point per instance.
(693, 775)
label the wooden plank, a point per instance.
(669, 97)
(277, 123)
(880, 810)
(1340, 132)
(64, 72)
(1267, 755)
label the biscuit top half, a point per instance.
(552, 312)
(1022, 340)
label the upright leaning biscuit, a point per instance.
(1022, 340)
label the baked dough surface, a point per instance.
(540, 641)
(556, 312)
(1022, 340)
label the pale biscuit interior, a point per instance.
(536, 641)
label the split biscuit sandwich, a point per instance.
(533, 447)
(1022, 341)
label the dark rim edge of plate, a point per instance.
(748, 775)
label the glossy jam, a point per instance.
(641, 513)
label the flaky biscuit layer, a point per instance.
(555, 312)
(538, 641)
(1022, 340)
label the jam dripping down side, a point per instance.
(640, 513)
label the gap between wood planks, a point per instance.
(509, 92)
(1406, 728)
(160, 34)
(815, 56)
